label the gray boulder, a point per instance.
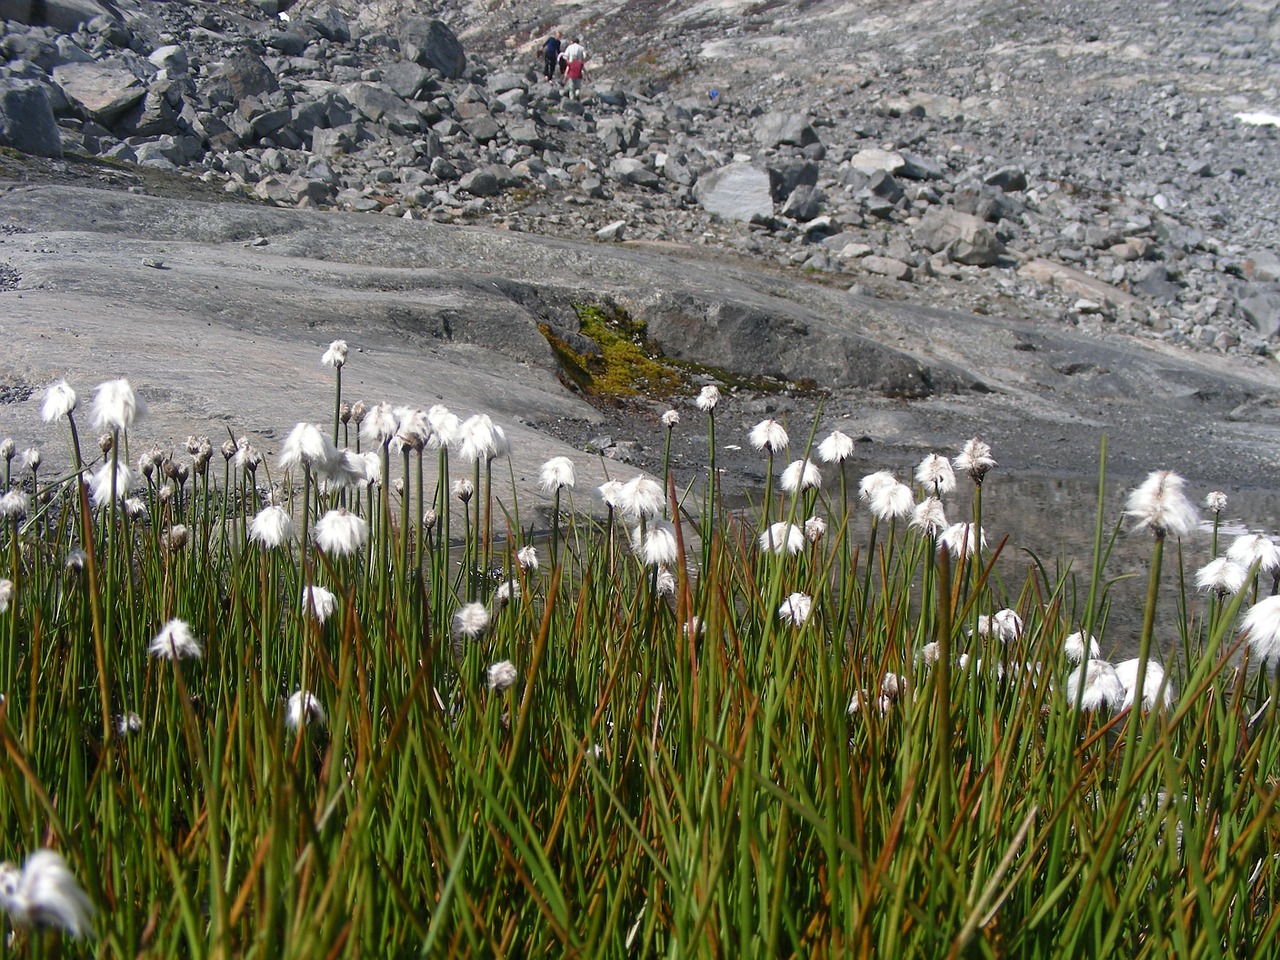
(1260, 304)
(502, 82)
(406, 79)
(100, 91)
(64, 15)
(483, 129)
(738, 191)
(883, 185)
(26, 119)
(870, 160)
(630, 170)
(1156, 283)
(1262, 265)
(613, 232)
(965, 238)
(1008, 179)
(380, 105)
(172, 59)
(328, 21)
(784, 128)
(886, 267)
(916, 167)
(785, 177)
(432, 44)
(804, 204)
(480, 183)
(241, 75)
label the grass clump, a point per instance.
(697, 732)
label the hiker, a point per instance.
(575, 72)
(575, 51)
(550, 55)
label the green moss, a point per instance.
(630, 365)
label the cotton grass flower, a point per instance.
(14, 504)
(610, 493)
(380, 424)
(31, 459)
(481, 440)
(836, 447)
(1262, 627)
(873, 483)
(782, 538)
(470, 621)
(1222, 577)
(1074, 647)
(557, 473)
(44, 893)
(347, 469)
(303, 709)
(1154, 679)
(1252, 548)
(128, 724)
(444, 425)
(929, 517)
(100, 483)
(59, 401)
(271, 527)
(657, 546)
(76, 560)
(177, 537)
(501, 676)
(664, 582)
(896, 501)
(708, 398)
(769, 436)
(1005, 626)
(1215, 502)
(175, 642)
(799, 476)
(640, 498)
(318, 603)
(1102, 688)
(795, 609)
(974, 460)
(341, 533)
(935, 474)
(506, 591)
(814, 529)
(336, 355)
(116, 406)
(527, 558)
(464, 490)
(413, 430)
(6, 594)
(307, 446)
(1160, 505)
(962, 540)
(670, 418)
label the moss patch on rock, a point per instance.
(626, 364)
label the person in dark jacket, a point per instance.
(551, 54)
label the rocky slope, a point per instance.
(786, 188)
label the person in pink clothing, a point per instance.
(575, 72)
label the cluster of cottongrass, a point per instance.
(342, 704)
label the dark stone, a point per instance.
(432, 44)
(241, 75)
(785, 177)
(26, 120)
